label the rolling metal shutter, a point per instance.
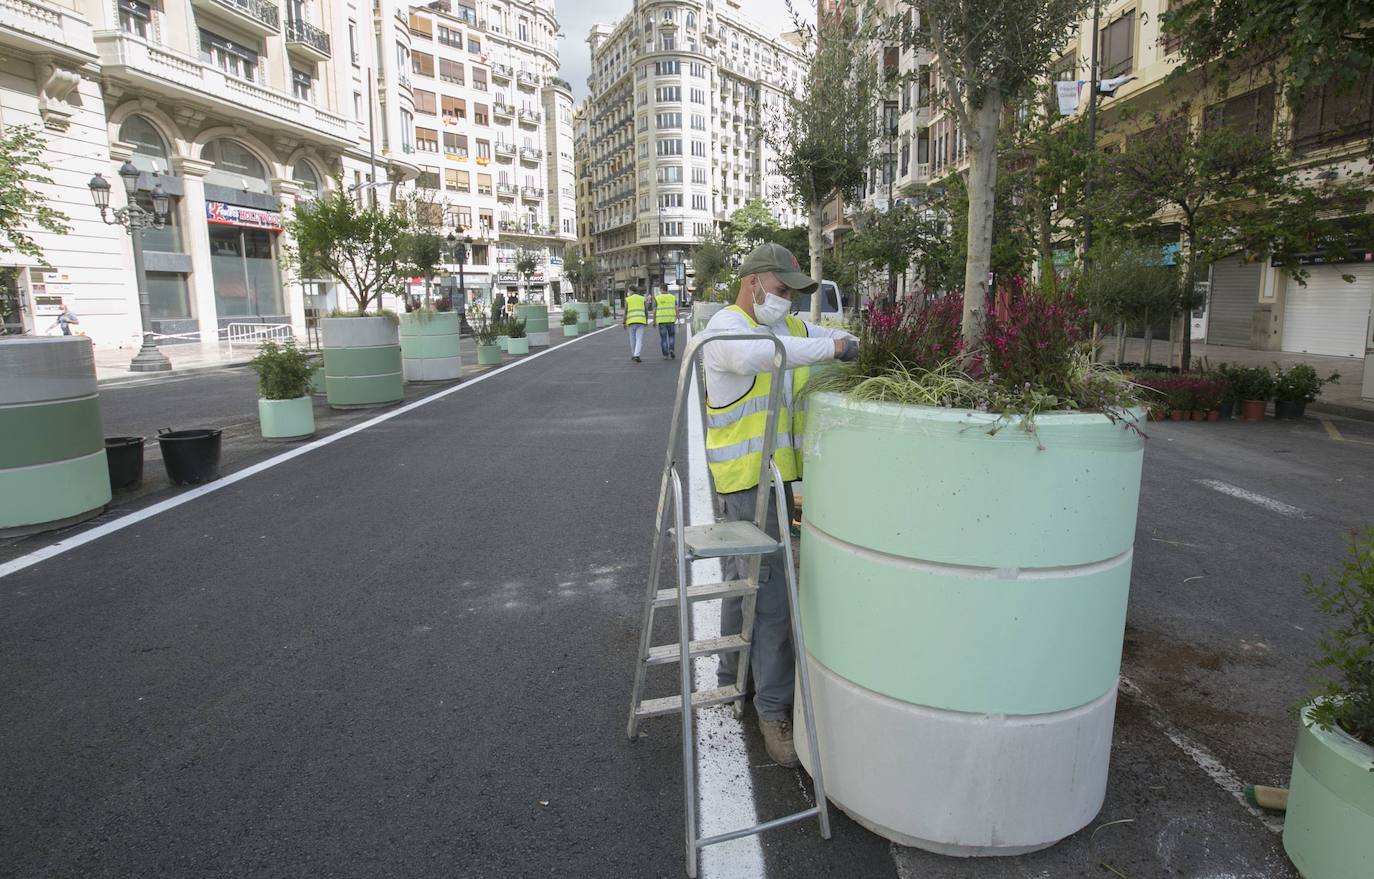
(1329, 316)
(1235, 292)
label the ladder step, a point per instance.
(705, 592)
(700, 699)
(720, 539)
(760, 828)
(666, 653)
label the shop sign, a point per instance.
(236, 215)
(508, 276)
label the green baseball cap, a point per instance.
(779, 260)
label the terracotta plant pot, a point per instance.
(1178, 415)
(1214, 415)
(1199, 415)
(1253, 410)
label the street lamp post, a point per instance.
(460, 256)
(134, 218)
(661, 213)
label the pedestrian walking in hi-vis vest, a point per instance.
(635, 321)
(665, 318)
(738, 381)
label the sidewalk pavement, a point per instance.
(113, 363)
(1336, 399)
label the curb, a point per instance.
(1345, 410)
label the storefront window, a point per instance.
(245, 272)
(168, 298)
(150, 150)
(235, 167)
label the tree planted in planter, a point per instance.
(363, 248)
(285, 409)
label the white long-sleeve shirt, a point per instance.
(731, 366)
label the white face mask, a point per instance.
(772, 309)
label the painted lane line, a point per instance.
(1205, 760)
(1339, 437)
(725, 789)
(85, 537)
(1258, 500)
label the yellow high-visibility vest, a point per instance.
(734, 431)
(634, 309)
(665, 308)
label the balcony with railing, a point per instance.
(502, 110)
(531, 193)
(256, 16)
(506, 190)
(306, 40)
(531, 154)
(502, 71)
(503, 149)
(530, 117)
(527, 79)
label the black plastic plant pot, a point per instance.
(190, 456)
(124, 454)
(1288, 410)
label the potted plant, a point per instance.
(1180, 400)
(1297, 386)
(1329, 829)
(516, 340)
(54, 470)
(1226, 392)
(1253, 386)
(1013, 578)
(285, 410)
(484, 331)
(499, 324)
(570, 322)
(430, 345)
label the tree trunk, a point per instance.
(891, 286)
(1149, 337)
(1120, 341)
(814, 239)
(1048, 280)
(982, 186)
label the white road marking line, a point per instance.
(85, 537)
(1206, 761)
(725, 799)
(1258, 500)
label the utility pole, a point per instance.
(1092, 131)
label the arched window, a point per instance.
(150, 150)
(306, 178)
(235, 167)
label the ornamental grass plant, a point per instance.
(1347, 700)
(1034, 358)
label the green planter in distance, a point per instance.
(430, 347)
(287, 420)
(569, 330)
(1328, 831)
(317, 385)
(518, 346)
(584, 326)
(488, 355)
(503, 342)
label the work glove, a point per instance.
(850, 352)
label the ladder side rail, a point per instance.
(646, 623)
(684, 619)
(803, 671)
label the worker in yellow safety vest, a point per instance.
(738, 381)
(665, 318)
(635, 321)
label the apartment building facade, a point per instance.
(238, 109)
(494, 136)
(680, 91)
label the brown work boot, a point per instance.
(777, 741)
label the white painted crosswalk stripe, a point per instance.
(1258, 500)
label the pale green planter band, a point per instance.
(536, 318)
(518, 346)
(53, 494)
(569, 330)
(1329, 828)
(429, 347)
(41, 433)
(286, 419)
(362, 361)
(488, 355)
(1003, 502)
(888, 624)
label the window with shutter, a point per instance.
(1334, 114)
(1117, 50)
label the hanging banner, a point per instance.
(1067, 92)
(234, 215)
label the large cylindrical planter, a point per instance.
(536, 319)
(1329, 829)
(430, 349)
(362, 361)
(287, 420)
(963, 597)
(53, 468)
(702, 312)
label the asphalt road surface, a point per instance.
(408, 652)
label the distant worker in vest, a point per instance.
(635, 321)
(737, 386)
(665, 318)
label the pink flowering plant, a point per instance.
(1034, 356)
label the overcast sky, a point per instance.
(576, 17)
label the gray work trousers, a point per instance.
(771, 658)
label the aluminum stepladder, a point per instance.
(718, 540)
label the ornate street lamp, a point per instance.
(134, 218)
(460, 256)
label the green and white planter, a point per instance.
(362, 361)
(430, 347)
(518, 346)
(503, 342)
(702, 312)
(488, 355)
(570, 330)
(1329, 829)
(536, 319)
(287, 420)
(963, 597)
(53, 467)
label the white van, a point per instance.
(834, 304)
